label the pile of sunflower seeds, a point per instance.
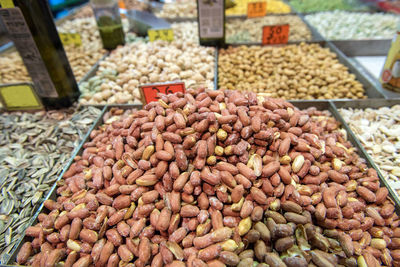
(34, 149)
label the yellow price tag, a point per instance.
(7, 3)
(161, 34)
(71, 39)
(19, 97)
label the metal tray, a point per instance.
(357, 47)
(371, 89)
(332, 106)
(53, 191)
(387, 93)
(93, 69)
(367, 47)
(319, 104)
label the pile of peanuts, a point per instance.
(273, 6)
(250, 30)
(186, 31)
(305, 71)
(12, 70)
(179, 9)
(127, 67)
(216, 178)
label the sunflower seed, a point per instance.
(34, 147)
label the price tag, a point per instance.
(211, 20)
(149, 92)
(71, 39)
(161, 34)
(7, 3)
(19, 97)
(256, 9)
(275, 34)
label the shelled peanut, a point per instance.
(378, 131)
(216, 178)
(127, 67)
(179, 9)
(273, 6)
(12, 70)
(305, 71)
(250, 30)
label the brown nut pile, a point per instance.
(305, 71)
(250, 30)
(12, 69)
(198, 179)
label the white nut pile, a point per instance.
(179, 9)
(87, 28)
(186, 31)
(344, 25)
(379, 132)
(127, 67)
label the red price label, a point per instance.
(150, 91)
(275, 34)
(256, 9)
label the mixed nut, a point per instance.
(343, 25)
(378, 131)
(127, 67)
(216, 178)
(250, 30)
(33, 150)
(305, 71)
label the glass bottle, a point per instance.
(109, 22)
